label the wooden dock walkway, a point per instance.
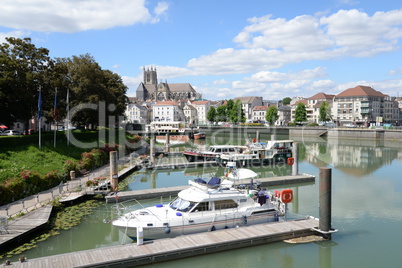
(182, 164)
(172, 191)
(24, 225)
(180, 247)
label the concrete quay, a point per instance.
(170, 191)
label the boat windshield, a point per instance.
(182, 205)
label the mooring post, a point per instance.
(325, 201)
(257, 136)
(152, 150)
(295, 155)
(167, 142)
(114, 178)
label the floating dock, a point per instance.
(18, 228)
(170, 191)
(179, 247)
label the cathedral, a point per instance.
(151, 90)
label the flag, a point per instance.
(55, 106)
(40, 104)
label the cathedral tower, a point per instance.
(150, 76)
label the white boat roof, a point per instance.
(241, 174)
(199, 193)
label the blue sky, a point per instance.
(225, 49)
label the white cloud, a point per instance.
(269, 43)
(269, 77)
(220, 82)
(74, 16)
(16, 34)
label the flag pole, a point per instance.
(40, 115)
(55, 117)
(68, 117)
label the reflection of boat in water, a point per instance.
(200, 208)
(173, 139)
(213, 152)
(274, 151)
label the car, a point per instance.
(350, 125)
(29, 131)
(10, 133)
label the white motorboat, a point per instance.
(212, 154)
(202, 207)
(259, 154)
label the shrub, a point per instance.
(99, 157)
(52, 178)
(70, 165)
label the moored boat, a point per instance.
(199, 135)
(257, 154)
(212, 154)
(200, 208)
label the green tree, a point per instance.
(325, 112)
(286, 101)
(272, 115)
(300, 113)
(24, 68)
(211, 115)
(237, 113)
(89, 84)
(221, 113)
(229, 107)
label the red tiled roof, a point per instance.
(322, 96)
(360, 91)
(260, 108)
(200, 102)
(166, 103)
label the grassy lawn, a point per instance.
(14, 160)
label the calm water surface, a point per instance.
(366, 209)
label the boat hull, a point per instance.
(279, 159)
(150, 233)
(199, 157)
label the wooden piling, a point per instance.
(325, 209)
(114, 178)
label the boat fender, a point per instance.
(167, 230)
(159, 205)
(276, 217)
(213, 228)
(226, 227)
(244, 220)
(178, 214)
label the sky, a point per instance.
(224, 49)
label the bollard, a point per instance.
(325, 201)
(72, 175)
(114, 178)
(140, 236)
(295, 155)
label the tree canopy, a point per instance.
(212, 114)
(300, 113)
(286, 101)
(325, 112)
(272, 115)
(25, 69)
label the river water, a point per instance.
(366, 209)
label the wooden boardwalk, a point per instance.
(180, 247)
(172, 191)
(21, 226)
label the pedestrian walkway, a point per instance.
(71, 187)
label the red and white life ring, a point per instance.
(287, 196)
